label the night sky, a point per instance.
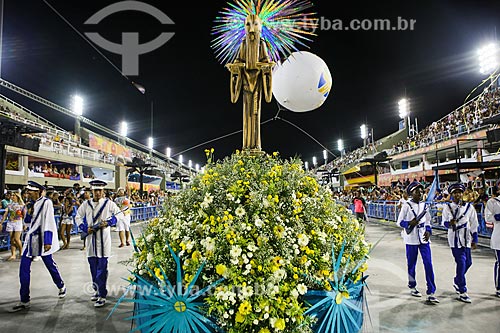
(435, 65)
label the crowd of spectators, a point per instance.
(463, 120)
(476, 192)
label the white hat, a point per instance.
(98, 184)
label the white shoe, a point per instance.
(62, 292)
(498, 293)
(464, 298)
(21, 306)
(94, 297)
(415, 293)
(100, 302)
(456, 288)
(432, 299)
(37, 258)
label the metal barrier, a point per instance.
(137, 214)
(388, 210)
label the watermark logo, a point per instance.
(129, 49)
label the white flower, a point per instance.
(266, 315)
(204, 205)
(280, 274)
(230, 197)
(240, 211)
(235, 261)
(303, 240)
(235, 251)
(225, 315)
(294, 293)
(302, 288)
(251, 247)
(258, 223)
(246, 292)
(141, 272)
(208, 198)
(149, 257)
(256, 322)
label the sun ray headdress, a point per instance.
(285, 26)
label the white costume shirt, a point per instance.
(416, 237)
(466, 226)
(492, 208)
(43, 227)
(98, 243)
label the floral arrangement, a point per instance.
(267, 229)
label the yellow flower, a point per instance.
(245, 308)
(264, 330)
(220, 269)
(279, 324)
(196, 255)
(239, 317)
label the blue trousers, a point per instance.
(463, 260)
(411, 258)
(497, 270)
(99, 272)
(25, 275)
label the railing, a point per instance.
(389, 211)
(137, 214)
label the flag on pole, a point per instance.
(433, 190)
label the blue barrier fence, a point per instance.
(136, 214)
(388, 210)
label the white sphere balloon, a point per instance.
(302, 82)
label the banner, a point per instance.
(107, 146)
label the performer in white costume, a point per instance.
(123, 225)
(493, 215)
(100, 214)
(415, 220)
(41, 240)
(461, 220)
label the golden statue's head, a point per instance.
(253, 27)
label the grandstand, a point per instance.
(460, 135)
(75, 156)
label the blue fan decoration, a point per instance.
(161, 307)
(341, 309)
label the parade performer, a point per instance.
(461, 220)
(416, 221)
(493, 216)
(123, 225)
(41, 240)
(100, 214)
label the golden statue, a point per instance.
(252, 69)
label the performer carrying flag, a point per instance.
(416, 221)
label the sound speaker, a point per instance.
(493, 135)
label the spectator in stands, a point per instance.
(14, 214)
(6, 200)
